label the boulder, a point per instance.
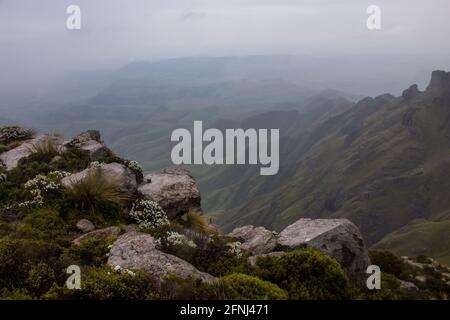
(136, 250)
(90, 141)
(174, 189)
(100, 234)
(12, 157)
(256, 240)
(85, 225)
(338, 238)
(408, 285)
(125, 177)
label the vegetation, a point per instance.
(37, 228)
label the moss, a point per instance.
(245, 287)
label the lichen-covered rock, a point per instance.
(256, 240)
(12, 157)
(85, 225)
(338, 238)
(90, 141)
(135, 250)
(124, 176)
(174, 189)
(100, 234)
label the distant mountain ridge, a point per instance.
(382, 164)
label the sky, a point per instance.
(35, 45)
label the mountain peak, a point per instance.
(411, 92)
(440, 81)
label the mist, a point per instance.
(38, 52)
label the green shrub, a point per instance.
(46, 220)
(15, 294)
(305, 275)
(101, 283)
(89, 252)
(40, 279)
(389, 263)
(218, 261)
(245, 287)
(17, 258)
(390, 289)
(176, 288)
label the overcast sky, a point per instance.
(35, 44)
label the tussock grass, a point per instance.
(95, 192)
(196, 221)
(46, 148)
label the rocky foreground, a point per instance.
(99, 211)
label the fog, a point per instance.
(36, 48)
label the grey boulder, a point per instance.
(136, 250)
(114, 171)
(174, 189)
(85, 225)
(12, 157)
(338, 238)
(256, 240)
(90, 141)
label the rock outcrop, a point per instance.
(12, 157)
(256, 240)
(135, 250)
(85, 226)
(338, 238)
(90, 141)
(114, 171)
(174, 189)
(100, 234)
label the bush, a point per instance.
(40, 279)
(177, 288)
(390, 289)
(305, 275)
(102, 283)
(245, 287)
(389, 263)
(148, 214)
(217, 259)
(89, 252)
(17, 258)
(47, 221)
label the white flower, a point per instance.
(148, 214)
(235, 248)
(95, 164)
(135, 166)
(175, 239)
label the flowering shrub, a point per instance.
(172, 238)
(10, 134)
(42, 184)
(235, 248)
(95, 164)
(120, 270)
(148, 214)
(135, 166)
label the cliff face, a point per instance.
(383, 164)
